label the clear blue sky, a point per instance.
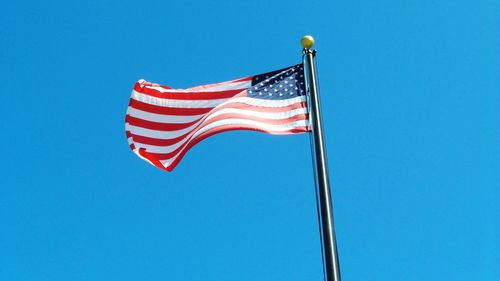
(411, 100)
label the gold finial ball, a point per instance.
(307, 42)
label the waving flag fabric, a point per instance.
(162, 123)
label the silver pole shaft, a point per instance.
(331, 260)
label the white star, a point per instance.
(265, 90)
(281, 86)
(286, 90)
(275, 90)
(270, 94)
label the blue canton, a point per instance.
(280, 84)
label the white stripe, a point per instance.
(264, 102)
(213, 103)
(260, 125)
(176, 103)
(158, 134)
(159, 149)
(259, 114)
(229, 86)
(161, 118)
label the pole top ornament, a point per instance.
(307, 42)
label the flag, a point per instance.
(162, 123)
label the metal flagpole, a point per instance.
(324, 201)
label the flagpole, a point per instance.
(324, 200)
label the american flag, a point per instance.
(162, 123)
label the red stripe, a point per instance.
(156, 125)
(167, 110)
(290, 119)
(209, 86)
(147, 83)
(243, 79)
(155, 141)
(239, 105)
(188, 95)
(151, 158)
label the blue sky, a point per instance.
(411, 96)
